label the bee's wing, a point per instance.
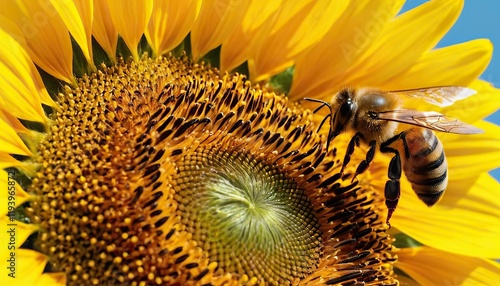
(439, 95)
(430, 119)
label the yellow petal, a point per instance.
(454, 65)
(47, 39)
(53, 279)
(7, 161)
(29, 267)
(296, 26)
(28, 264)
(77, 15)
(11, 28)
(22, 231)
(42, 90)
(13, 195)
(10, 143)
(238, 47)
(215, 23)
(104, 30)
(130, 19)
(170, 23)
(406, 281)
(470, 155)
(15, 49)
(318, 70)
(13, 122)
(18, 95)
(466, 221)
(433, 267)
(403, 42)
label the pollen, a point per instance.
(165, 172)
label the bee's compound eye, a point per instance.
(343, 96)
(346, 108)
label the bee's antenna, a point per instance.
(329, 138)
(323, 103)
(323, 121)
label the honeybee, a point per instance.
(375, 115)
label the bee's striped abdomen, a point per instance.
(425, 164)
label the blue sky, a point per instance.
(479, 19)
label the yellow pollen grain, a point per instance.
(82, 179)
(111, 247)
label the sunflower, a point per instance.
(167, 142)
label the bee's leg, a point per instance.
(355, 141)
(366, 162)
(392, 186)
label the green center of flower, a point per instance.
(248, 215)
